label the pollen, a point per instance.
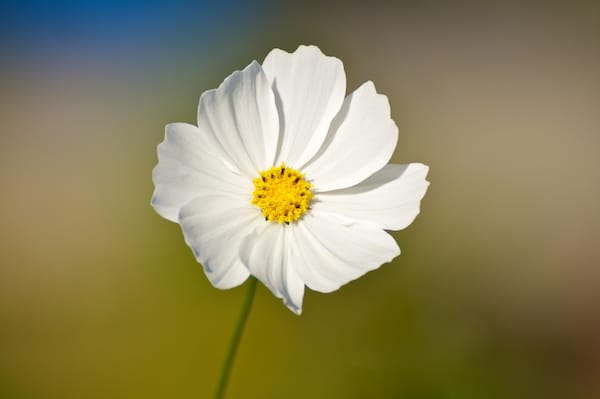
(282, 194)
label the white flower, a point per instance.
(286, 179)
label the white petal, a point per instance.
(189, 166)
(390, 198)
(361, 141)
(241, 118)
(334, 252)
(214, 226)
(266, 253)
(309, 89)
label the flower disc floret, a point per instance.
(282, 194)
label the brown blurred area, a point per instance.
(496, 293)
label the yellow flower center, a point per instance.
(282, 194)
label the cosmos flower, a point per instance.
(287, 179)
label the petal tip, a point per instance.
(423, 166)
(308, 47)
(369, 85)
(297, 310)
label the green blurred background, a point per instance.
(496, 293)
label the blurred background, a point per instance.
(496, 293)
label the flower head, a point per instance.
(287, 179)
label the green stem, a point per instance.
(235, 339)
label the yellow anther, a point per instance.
(282, 194)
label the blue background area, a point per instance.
(119, 28)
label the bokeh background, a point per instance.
(496, 294)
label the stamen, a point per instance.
(282, 194)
